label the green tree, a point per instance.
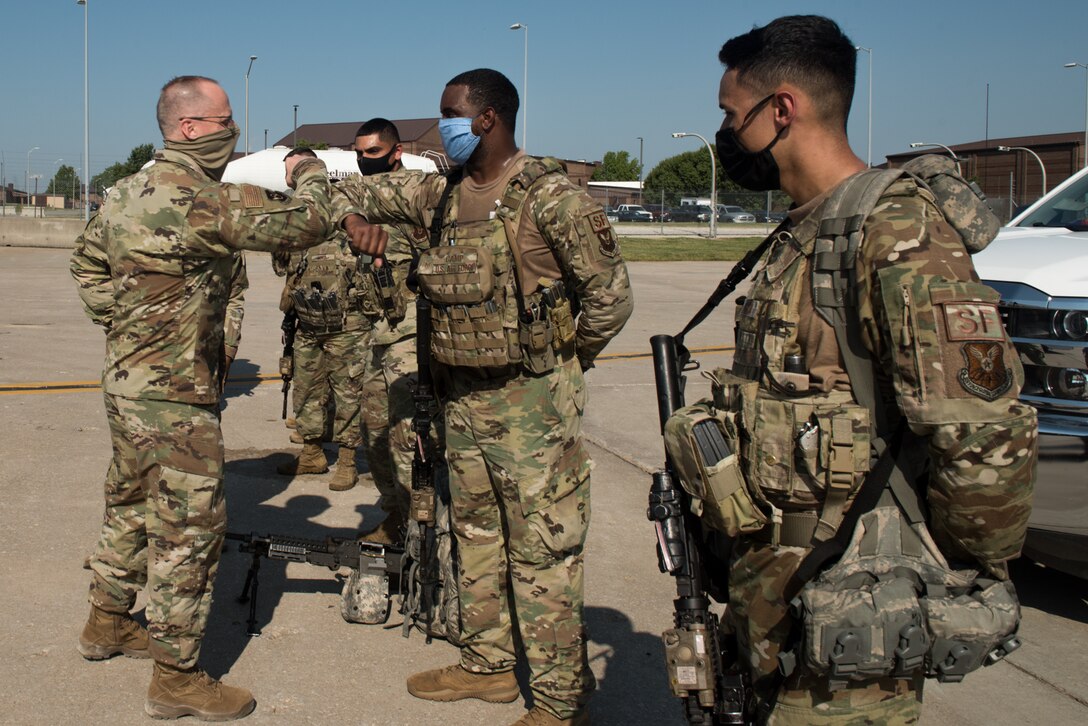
(139, 156)
(307, 144)
(688, 174)
(65, 182)
(617, 166)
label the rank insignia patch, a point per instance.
(985, 375)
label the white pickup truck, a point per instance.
(1039, 264)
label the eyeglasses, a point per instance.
(227, 123)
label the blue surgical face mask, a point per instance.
(458, 139)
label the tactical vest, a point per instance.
(328, 289)
(480, 318)
(800, 448)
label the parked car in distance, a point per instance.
(1037, 263)
(610, 212)
(762, 215)
(739, 215)
(633, 213)
(690, 213)
(659, 212)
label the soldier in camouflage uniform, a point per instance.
(390, 374)
(333, 334)
(155, 269)
(786, 93)
(512, 357)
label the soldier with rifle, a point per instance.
(328, 297)
(865, 455)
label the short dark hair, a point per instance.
(490, 88)
(810, 51)
(383, 127)
(176, 98)
(300, 151)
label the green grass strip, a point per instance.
(694, 249)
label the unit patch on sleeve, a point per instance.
(252, 196)
(973, 321)
(985, 375)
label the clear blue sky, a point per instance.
(601, 73)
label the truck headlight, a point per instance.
(1071, 324)
(1069, 383)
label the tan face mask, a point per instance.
(211, 152)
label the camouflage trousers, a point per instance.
(324, 365)
(389, 378)
(519, 494)
(164, 520)
(759, 614)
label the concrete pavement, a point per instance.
(309, 666)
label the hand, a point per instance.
(365, 238)
(224, 370)
(290, 163)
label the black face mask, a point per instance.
(368, 166)
(753, 170)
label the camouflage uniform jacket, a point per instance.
(156, 264)
(570, 222)
(941, 358)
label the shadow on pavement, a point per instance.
(250, 483)
(1050, 591)
(241, 381)
(633, 688)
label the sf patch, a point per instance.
(598, 223)
(973, 321)
(986, 375)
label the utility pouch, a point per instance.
(892, 606)
(457, 275)
(473, 336)
(536, 340)
(702, 443)
(421, 508)
(392, 304)
(287, 366)
(368, 301)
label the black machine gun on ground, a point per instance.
(366, 594)
(287, 361)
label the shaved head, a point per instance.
(186, 96)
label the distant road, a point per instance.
(676, 229)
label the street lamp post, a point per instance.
(921, 144)
(266, 138)
(869, 151)
(1085, 149)
(1042, 168)
(524, 86)
(640, 170)
(251, 59)
(86, 111)
(294, 133)
(713, 182)
(27, 192)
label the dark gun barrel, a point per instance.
(670, 394)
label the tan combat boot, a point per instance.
(453, 683)
(296, 438)
(290, 423)
(174, 693)
(389, 532)
(108, 634)
(345, 475)
(310, 461)
(539, 717)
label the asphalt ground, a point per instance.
(311, 667)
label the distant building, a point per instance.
(417, 136)
(1012, 179)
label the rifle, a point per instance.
(422, 509)
(364, 558)
(701, 667)
(287, 360)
